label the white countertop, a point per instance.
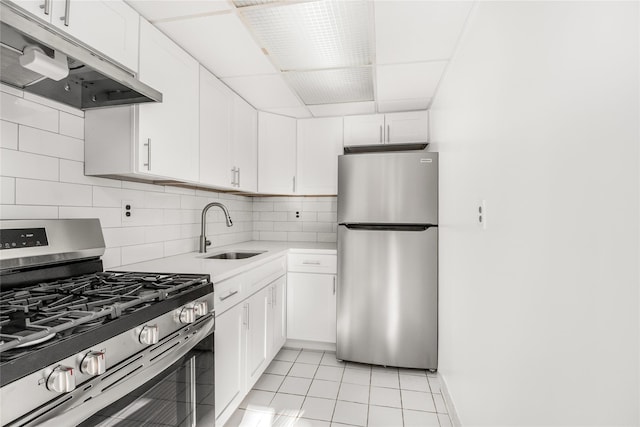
(221, 269)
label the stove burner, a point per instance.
(36, 314)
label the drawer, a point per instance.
(312, 263)
(228, 293)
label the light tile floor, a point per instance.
(305, 388)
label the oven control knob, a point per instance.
(201, 308)
(149, 334)
(61, 380)
(93, 363)
(187, 315)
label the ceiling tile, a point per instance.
(221, 43)
(295, 112)
(332, 86)
(153, 10)
(410, 31)
(403, 105)
(345, 109)
(263, 92)
(408, 81)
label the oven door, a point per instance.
(182, 395)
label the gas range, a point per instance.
(75, 338)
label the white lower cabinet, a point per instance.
(311, 307)
(278, 315)
(258, 334)
(229, 366)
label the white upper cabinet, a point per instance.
(364, 130)
(169, 128)
(216, 103)
(151, 140)
(391, 128)
(244, 149)
(319, 145)
(110, 26)
(276, 154)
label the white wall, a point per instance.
(42, 176)
(538, 115)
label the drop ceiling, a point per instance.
(318, 58)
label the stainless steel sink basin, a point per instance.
(234, 255)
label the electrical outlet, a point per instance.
(127, 211)
(482, 214)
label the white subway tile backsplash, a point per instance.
(302, 216)
(21, 111)
(264, 226)
(161, 200)
(280, 236)
(36, 192)
(116, 237)
(160, 233)
(109, 217)
(26, 165)
(293, 236)
(287, 226)
(176, 247)
(28, 212)
(179, 190)
(327, 237)
(140, 217)
(139, 253)
(53, 104)
(326, 206)
(190, 231)
(327, 217)
(143, 186)
(172, 216)
(113, 197)
(262, 206)
(8, 135)
(73, 172)
(7, 190)
(111, 258)
(50, 144)
(71, 125)
(317, 227)
(287, 206)
(273, 216)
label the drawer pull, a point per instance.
(311, 262)
(228, 296)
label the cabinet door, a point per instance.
(411, 127)
(169, 128)
(279, 314)
(229, 360)
(276, 154)
(311, 307)
(216, 101)
(319, 145)
(245, 144)
(257, 342)
(34, 7)
(108, 26)
(364, 130)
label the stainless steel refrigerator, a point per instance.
(387, 293)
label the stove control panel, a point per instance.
(61, 380)
(93, 363)
(201, 308)
(16, 238)
(186, 315)
(149, 334)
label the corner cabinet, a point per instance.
(276, 154)
(109, 27)
(152, 140)
(319, 144)
(393, 128)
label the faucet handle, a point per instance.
(207, 242)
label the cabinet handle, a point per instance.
(306, 262)
(380, 134)
(148, 145)
(46, 6)
(388, 133)
(228, 296)
(67, 7)
(233, 176)
(246, 315)
(294, 184)
(238, 180)
(270, 297)
(334, 285)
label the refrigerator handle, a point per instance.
(388, 133)
(380, 134)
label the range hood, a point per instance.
(93, 80)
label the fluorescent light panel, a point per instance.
(332, 86)
(314, 35)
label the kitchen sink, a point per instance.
(234, 255)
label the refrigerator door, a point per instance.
(387, 297)
(388, 188)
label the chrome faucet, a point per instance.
(203, 227)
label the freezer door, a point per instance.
(396, 188)
(387, 297)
